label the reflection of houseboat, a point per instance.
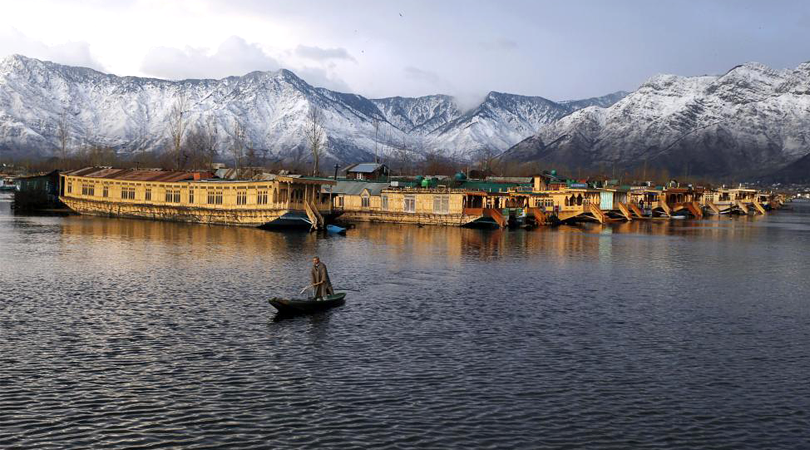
(193, 197)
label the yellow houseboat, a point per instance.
(357, 201)
(191, 197)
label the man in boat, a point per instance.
(320, 279)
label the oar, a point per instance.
(305, 289)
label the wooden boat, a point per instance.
(334, 229)
(306, 306)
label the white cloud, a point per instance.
(320, 77)
(74, 53)
(425, 76)
(234, 56)
(323, 54)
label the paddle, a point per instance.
(304, 290)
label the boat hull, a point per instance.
(298, 306)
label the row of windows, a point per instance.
(173, 195)
(441, 203)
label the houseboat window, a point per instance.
(409, 204)
(70, 188)
(191, 196)
(441, 204)
(241, 197)
(275, 196)
(105, 191)
(261, 198)
(364, 201)
(128, 193)
(339, 201)
(214, 197)
(88, 189)
(384, 202)
(148, 195)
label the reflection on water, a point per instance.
(130, 333)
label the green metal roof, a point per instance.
(488, 186)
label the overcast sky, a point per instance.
(555, 49)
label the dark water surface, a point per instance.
(137, 334)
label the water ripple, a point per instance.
(143, 335)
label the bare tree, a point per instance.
(210, 141)
(402, 155)
(201, 144)
(178, 122)
(315, 136)
(238, 144)
(486, 160)
(376, 123)
(63, 134)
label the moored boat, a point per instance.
(334, 229)
(307, 306)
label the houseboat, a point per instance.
(283, 201)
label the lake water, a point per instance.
(135, 334)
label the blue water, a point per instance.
(136, 334)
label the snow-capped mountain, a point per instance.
(751, 120)
(131, 113)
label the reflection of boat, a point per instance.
(301, 306)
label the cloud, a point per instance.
(425, 76)
(74, 53)
(323, 54)
(319, 77)
(500, 44)
(234, 56)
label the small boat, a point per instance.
(334, 229)
(306, 306)
(678, 217)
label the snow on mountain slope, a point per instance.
(131, 113)
(500, 120)
(749, 121)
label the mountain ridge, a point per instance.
(749, 121)
(129, 113)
